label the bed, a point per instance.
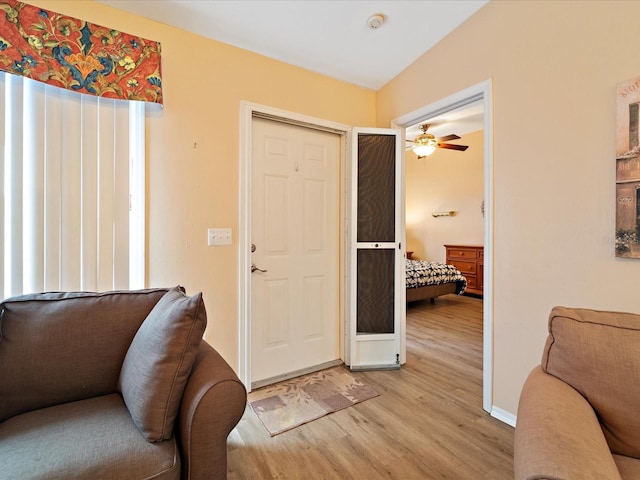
(432, 279)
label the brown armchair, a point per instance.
(114, 385)
(578, 412)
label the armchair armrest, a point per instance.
(212, 404)
(557, 434)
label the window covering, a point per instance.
(77, 55)
(71, 190)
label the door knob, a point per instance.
(254, 268)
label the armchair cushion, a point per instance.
(61, 347)
(597, 354)
(93, 438)
(558, 435)
(159, 362)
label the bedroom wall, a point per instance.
(554, 67)
(447, 180)
(191, 189)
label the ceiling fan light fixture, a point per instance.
(424, 145)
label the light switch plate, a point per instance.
(218, 236)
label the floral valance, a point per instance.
(78, 55)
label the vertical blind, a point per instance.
(72, 184)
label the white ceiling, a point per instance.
(461, 121)
(326, 36)
(330, 37)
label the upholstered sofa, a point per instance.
(579, 411)
(116, 385)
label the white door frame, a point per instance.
(481, 91)
(247, 112)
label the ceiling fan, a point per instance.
(425, 143)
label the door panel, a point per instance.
(295, 218)
(276, 221)
(314, 311)
(376, 188)
(314, 201)
(375, 253)
(277, 313)
(376, 291)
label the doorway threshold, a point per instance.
(294, 374)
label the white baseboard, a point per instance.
(503, 416)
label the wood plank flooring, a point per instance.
(427, 423)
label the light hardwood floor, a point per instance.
(427, 423)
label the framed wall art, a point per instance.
(628, 169)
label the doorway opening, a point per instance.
(477, 93)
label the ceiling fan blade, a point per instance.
(451, 146)
(446, 138)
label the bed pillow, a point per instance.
(159, 361)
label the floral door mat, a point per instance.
(289, 404)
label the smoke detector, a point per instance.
(375, 21)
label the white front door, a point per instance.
(295, 219)
(376, 254)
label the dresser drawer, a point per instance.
(464, 267)
(472, 282)
(461, 253)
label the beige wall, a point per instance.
(190, 189)
(554, 66)
(445, 181)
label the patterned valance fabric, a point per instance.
(78, 55)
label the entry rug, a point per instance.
(289, 404)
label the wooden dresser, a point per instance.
(470, 261)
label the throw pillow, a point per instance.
(159, 361)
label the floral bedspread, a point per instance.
(421, 272)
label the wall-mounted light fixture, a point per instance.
(450, 213)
